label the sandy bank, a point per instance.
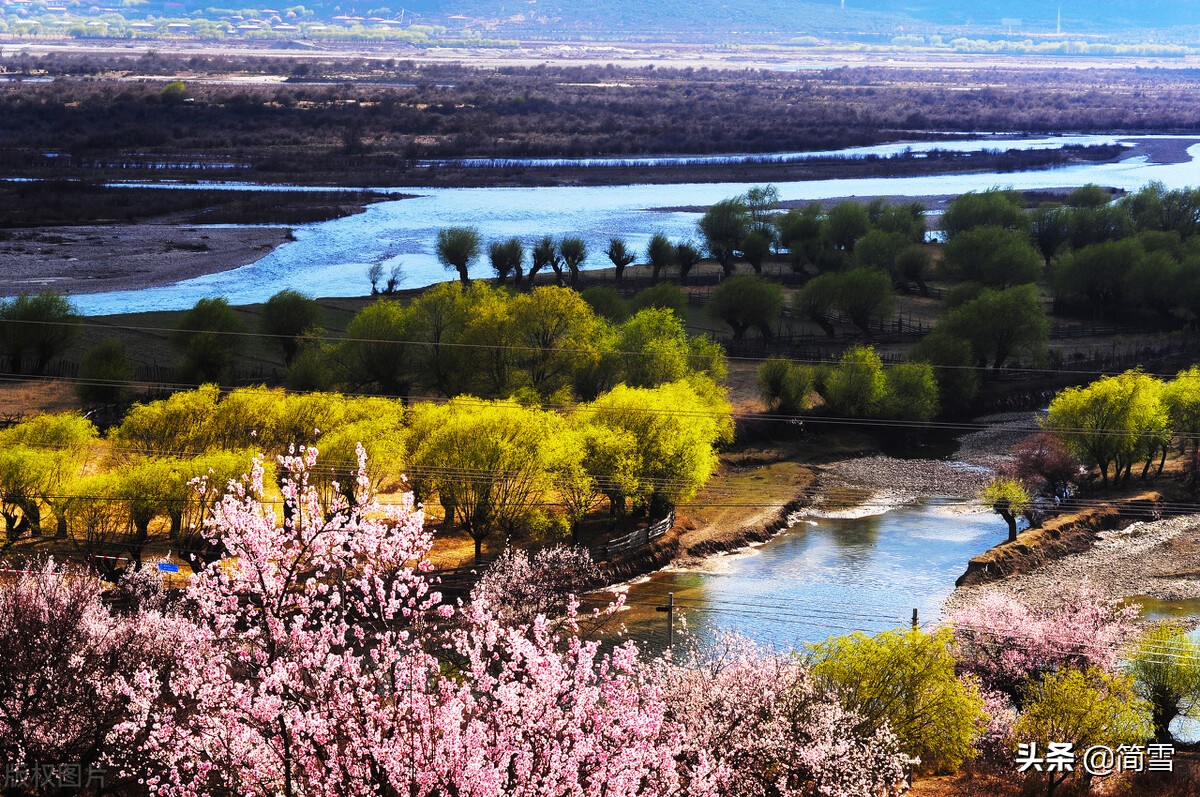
(93, 259)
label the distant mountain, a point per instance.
(716, 19)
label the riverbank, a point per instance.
(1159, 559)
(96, 259)
(85, 237)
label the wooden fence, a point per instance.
(637, 538)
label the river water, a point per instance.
(821, 577)
(331, 258)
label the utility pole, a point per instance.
(670, 610)
(915, 624)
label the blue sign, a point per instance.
(167, 567)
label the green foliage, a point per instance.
(784, 385)
(878, 249)
(676, 428)
(1007, 498)
(179, 425)
(954, 367)
(574, 251)
(845, 223)
(377, 352)
(1181, 397)
(818, 300)
(1116, 420)
(1165, 668)
(506, 257)
(653, 348)
(544, 254)
(724, 227)
(660, 254)
(438, 318)
(1088, 196)
(911, 265)
(746, 302)
(865, 296)
(105, 374)
(620, 256)
(287, 317)
(665, 296)
(993, 208)
(907, 680)
(756, 248)
(555, 332)
(487, 462)
(857, 387)
(208, 338)
(1096, 273)
(456, 247)
(1085, 709)
(911, 392)
(993, 256)
(174, 92)
(1001, 324)
(686, 257)
(34, 329)
(606, 302)
(800, 232)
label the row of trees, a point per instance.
(1111, 425)
(266, 679)
(494, 466)
(857, 386)
(1119, 421)
(547, 344)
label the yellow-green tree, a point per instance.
(55, 446)
(554, 333)
(677, 427)
(1165, 668)
(906, 680)
(1182, 399)
(1114, 421)
(857, 387)
(181, 424)
(1084, 709)
(911, 392)
(377, 351)
(1008, 498)
(488, 462)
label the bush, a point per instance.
(104, 374)
(606, 302)
(784, 385)
(856, 388)
(35, 329)
(208, 338)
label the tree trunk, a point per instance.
(1011, 520)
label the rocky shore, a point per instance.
(1160, 559)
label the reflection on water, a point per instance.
(814, 581)
(331, 258)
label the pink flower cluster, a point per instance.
(317, 658)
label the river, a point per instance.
(821, 577)
(331, 258)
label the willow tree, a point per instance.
(1114, 421)
(677, 426)
(487, 461)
